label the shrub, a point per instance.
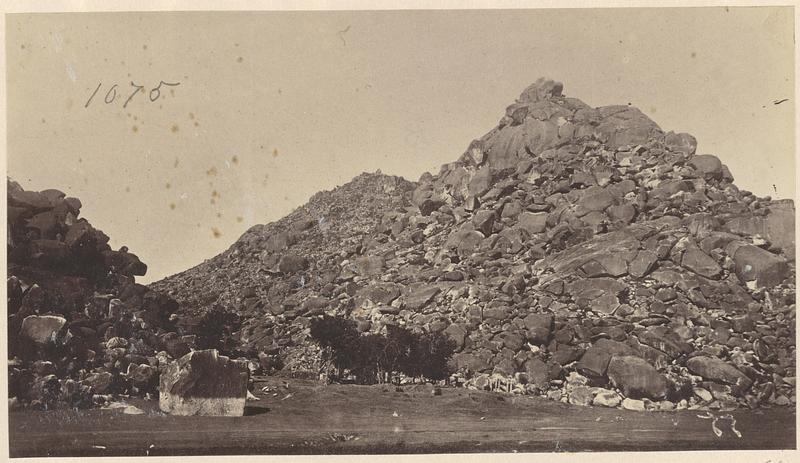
(215, 328)
(377, 358)
(433, 353)
(336, 336)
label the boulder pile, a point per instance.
(80, 328)
(577, 253)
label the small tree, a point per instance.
(367, 355)
(337, 337)
(399, 346)
(433, 352)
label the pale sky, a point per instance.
(273, 107)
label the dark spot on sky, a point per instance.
(219, 215)
(215, 232)
(215, 194)
(174, 128)
(144, 47)
(239, 59)
(275, 153)
(196, 124)
(167, 186)
(694, 55)
(22, 46)
(135, 129)
(239, 219)
(43, 121)
(235, 159)
(212, 171)
(191, 115)
(172, 206)
(176, 162)
(127, 189)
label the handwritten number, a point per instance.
(157, 90)
(111, 95)
(93, 94)
(114, 96)
(138, 88)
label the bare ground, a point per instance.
(307, 418)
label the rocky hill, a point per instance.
(79, 326)
(576, 252)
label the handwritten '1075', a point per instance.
(111, 94)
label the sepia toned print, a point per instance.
(400, 232)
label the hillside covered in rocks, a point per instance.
(574, 252)
(577, 253)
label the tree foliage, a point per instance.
(375, 357)
(215, 327)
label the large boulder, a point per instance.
(755, 264)
(636, 378)
(718, 370)
(41, 328)
(777, 226)
(700, 263)
(481, 182)
(292, 263)
(708, 165)
(594, 362)
(533, 222)
(369, 265)
(420, 297)
(204, 383)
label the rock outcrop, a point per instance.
(79, 326)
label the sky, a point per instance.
(271, 107)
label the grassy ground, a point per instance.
(306, 418)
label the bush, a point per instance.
(215, 328)
(336, 336)
(376, 358)
(434, 351)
